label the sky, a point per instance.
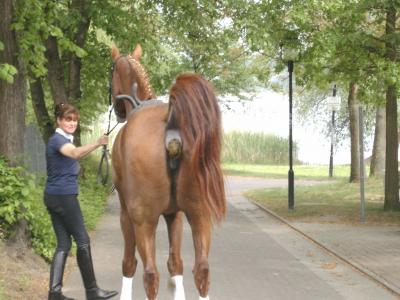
(269, 113)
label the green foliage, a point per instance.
(21, 199)
(42, 235)
(174, 36)
(256, 148)
(35, 22)
(15, 193)
(7, 72)
(339, 41)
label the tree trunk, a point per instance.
(44, 121)
(12, 96)
(74, 89)
(354, 133)
(12, 104)
(55, 74)
(392, 173)
(75, 62)
(392, 143)
(377, 168)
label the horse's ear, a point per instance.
(137, 52)
(114, 52)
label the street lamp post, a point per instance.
(290, 55)
(291, 172)
(333, 105)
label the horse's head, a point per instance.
(128, 78)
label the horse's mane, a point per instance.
(143, 78)
(199, 120)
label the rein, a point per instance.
(103, 179)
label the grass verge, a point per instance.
(280, 171)
(336, 201)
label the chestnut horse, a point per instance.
(153, 180)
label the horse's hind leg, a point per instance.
(201, 232)
(145, 231)
(175, 265)
(129, 261)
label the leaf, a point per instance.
(25, 192)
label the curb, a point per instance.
(361, 269)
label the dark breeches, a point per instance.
(67, 220)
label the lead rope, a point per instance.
(101, 176)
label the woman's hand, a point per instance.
(103, 140)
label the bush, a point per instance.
(22, 198)
(16, 188)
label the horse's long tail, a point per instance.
(199, 119)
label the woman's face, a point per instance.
(69, 123)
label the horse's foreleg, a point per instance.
(175, 265)
(129, 261)
(145, 240)
(201, 232)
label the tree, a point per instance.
(354, 105)
(13, 93)
(377, 167)
(344, 42)
(392, 143)
(65, 46)
(12, 103)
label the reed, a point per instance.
(256, 148)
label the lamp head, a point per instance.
(289, 47)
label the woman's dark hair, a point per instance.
(62, 110)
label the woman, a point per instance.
(60, 197)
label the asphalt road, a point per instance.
(253, 257)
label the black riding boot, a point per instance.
(93, 292)
(56, 276)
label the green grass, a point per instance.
(336, 201)
(274, 171)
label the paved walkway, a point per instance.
(256, 256)
(373, 250)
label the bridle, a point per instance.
(133, 99)
(135, 102)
